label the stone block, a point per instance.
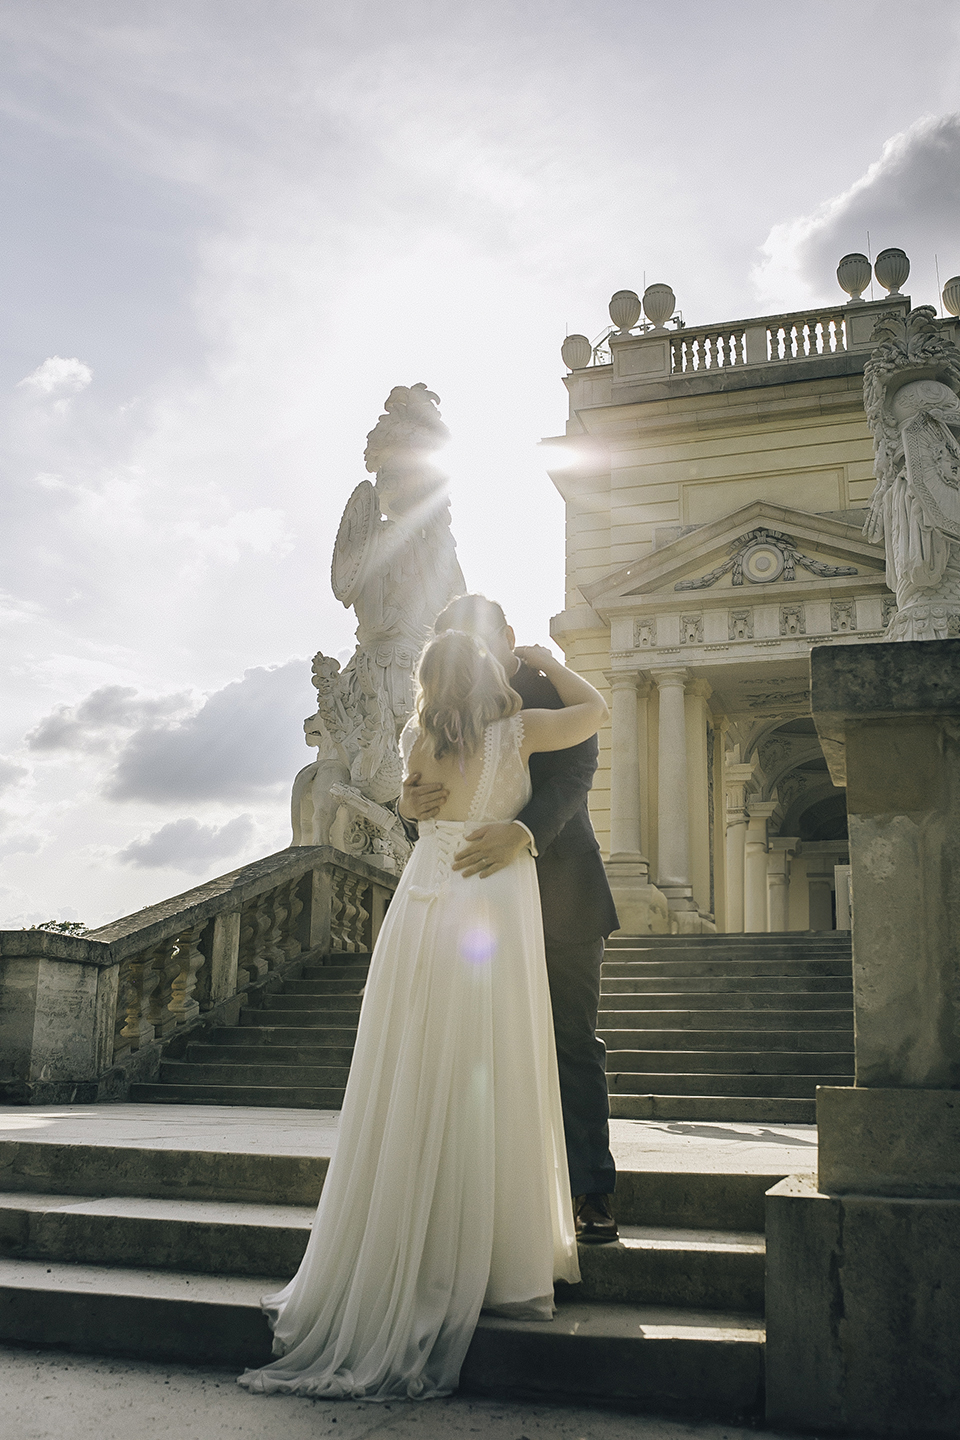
(889, 721)
(902, 1143)
(863, 1312)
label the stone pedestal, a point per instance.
(863, 1268)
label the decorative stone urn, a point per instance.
(892, 268)
(853, 276)
(951, 296)
(659, 303)
(576, 351)
(625, 309)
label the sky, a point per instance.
(230, 229)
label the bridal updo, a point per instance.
(461, 689)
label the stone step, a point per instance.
(320, 1019)
(747, 1109)
(783, 939)
(827, 1041)
(723, 984)
(729, 1200)
(716, 1270)
(730, 1021)
(737, 1062)
(287, 1097)
(625, 974)
(311, 1004)
(180, 1072)
(661, 1358)
(212, 1237)
(720, 1000)
(285, 1031)
(224, 1055)
(323, 987)
(711, 1082)
(250, 1177)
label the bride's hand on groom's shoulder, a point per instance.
(538, 657)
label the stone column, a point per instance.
(782, 848)
(735, 781)
(820, 882)
(755, 867)
(624, 769)
(640, 906)
(697, 694)
(863, 1260)
(673, 825)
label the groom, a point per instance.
(578, 910)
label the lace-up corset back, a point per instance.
(504, 785)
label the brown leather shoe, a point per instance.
(594, 1220)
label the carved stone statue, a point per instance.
(395, 562)
(911, 384)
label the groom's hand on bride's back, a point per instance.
(421, 802)
(490, 848)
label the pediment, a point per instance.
(759, 545)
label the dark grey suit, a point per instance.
(578, 914)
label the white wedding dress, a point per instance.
(448, 1192)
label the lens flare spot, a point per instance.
(477, 946)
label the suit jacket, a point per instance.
(574, 893)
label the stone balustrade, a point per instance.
(82, 1017)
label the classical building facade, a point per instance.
(716, 483)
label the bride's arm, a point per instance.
(584, 708)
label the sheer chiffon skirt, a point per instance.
(448, 1191)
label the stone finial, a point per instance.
(659, 303)
(576, 351)
(891, 268)
(951, 296)
(853, 276)
(625, 309)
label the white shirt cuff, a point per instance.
(533, 844)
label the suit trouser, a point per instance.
(573, 969)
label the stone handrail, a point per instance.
(80, 1017)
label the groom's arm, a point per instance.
(558, 796)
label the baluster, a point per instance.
(166, 964)
(676, 356)
(183, 1004)
(337, 937)
(839, 334)
(135, 985)
(773, 336)
(291, 942)
(251, 961)
(349, 912)
(361, 930)
(813, 340)
(741, 346)
(276, 913)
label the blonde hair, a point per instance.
(462, 688)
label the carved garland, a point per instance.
(782, 544)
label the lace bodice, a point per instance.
(504, 786)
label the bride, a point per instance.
(448, 1192)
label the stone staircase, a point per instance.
(163, 1254)
(704, 1027)
(726, 1027)
(295, 1050)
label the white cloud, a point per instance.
(58, 374)
(95, 723)
(11, 773)
(909, 197)
(188, 845)
(246, 738)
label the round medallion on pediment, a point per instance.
(762, 563)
